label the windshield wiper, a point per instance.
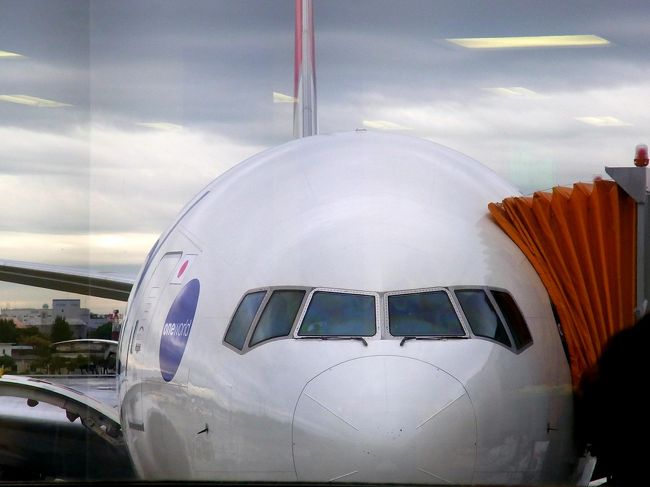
(334, 337)
(401, 343)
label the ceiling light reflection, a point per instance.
(384, 125)
(165, 126)
(9, 54)
(33, 101)
(282, 98)
(513, 92)
(531, 41)
(605, 121)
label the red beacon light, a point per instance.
(641, 155)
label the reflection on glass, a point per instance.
(278, 316)
(243, 319)
(530, 41)
(514, 319)
(481, 315)
(335, 314)
(423, 314)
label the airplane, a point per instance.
(338, 308)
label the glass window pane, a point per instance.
(481, 315)
(278, 316)
(334, 314)
(423, 314)
(514, 319)
(243, 319)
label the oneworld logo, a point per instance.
(177, 328)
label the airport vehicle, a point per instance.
(338, 308)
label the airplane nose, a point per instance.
(384, 419)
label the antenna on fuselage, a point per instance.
(304, 76)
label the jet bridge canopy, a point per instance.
(581, 242)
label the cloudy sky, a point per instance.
(137, 105)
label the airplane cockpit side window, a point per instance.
(481, 315)
(339, 314)
(243, 319)
(278, 316)
(429, 313)
(514, 319)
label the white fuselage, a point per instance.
(359, 212)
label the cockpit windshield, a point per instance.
(431, 313)
(423, 314)
(339, 314)
(481, 315)
(243, 319)
(278, 316)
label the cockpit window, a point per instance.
(481, 316)
(427, 313)
(278, 315)
(243, 319)
(339, 314)
(423, 314)
(514, 318)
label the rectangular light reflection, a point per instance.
(605, 121)
(166, 126)
(532, 41)
(32, 101)
(513, 91)
(9, 54)
(384, 125)
(282, 98)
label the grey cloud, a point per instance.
(43, 153)
(214, 65)
(211, 66)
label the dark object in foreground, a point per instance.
(611, 409)
(35, 450)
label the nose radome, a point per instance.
(384, 419)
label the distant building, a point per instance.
(17, 322)
(95, 320)
(79, 328)
(70, 309)
(29, 316)
(5, 349)
(100, 354)
(23, 355)
(81, 320)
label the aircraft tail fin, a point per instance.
(305, 122)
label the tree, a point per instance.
(7, 363)
(29, 331)
(41, 347)
(40, 344)
(80, 362)
(102, 332)
(8, 331)
(57, 363)
(61, 330)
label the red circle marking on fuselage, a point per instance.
(182, 269)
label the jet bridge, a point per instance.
(589, 244)
(634, 181)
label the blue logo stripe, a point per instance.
(177, 328)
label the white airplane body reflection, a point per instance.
(333, 234)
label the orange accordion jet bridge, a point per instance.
(581, 242)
